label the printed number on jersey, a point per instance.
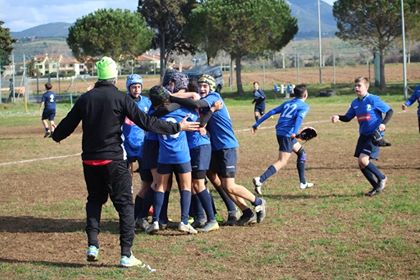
(165, 136)
(289, 110)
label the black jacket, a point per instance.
(102, 111)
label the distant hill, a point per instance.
(51, 38)
(306, 11)
(54, 29)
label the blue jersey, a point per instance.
(195, 139)
(220, 126)
(49, 100)
(413, 98)
(291, 112)
(134, 135)
(259, 96)
(173, 149)
(368, 111)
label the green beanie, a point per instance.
(106, 68)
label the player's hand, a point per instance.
(189, 126)
(195, 96)
(335, 118)
(203, 131)
(404, 107)
(293, 136)
(217, 105)
(382, 127)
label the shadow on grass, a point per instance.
(47, 225)
(57, 264)
(309, 196)
(355, 167)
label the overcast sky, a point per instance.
(19, 15)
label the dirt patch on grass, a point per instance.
(329, 231)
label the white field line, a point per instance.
(272, 126)
(36, 159)
(78, 154)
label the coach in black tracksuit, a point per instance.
(102, 111)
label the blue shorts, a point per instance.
(145, 174)
(286, 143)
(150, 154)
(48, 115)
(223, 162)
(177, 168)
(260, 108)
(200, 157)
(365, 146)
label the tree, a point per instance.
(168, 18)
(244, 27)
(412, 22)
(374, 24)
(120, 34)
(202, 33)
(6, 45)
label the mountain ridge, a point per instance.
(306, 11)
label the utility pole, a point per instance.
(404, 52)
(13, 78)
(26, 91)
(0, 85)
(319, 42)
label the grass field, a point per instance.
(329, 232)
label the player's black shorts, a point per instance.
(145, 174)
(48, 115)
(366, 146)
(260, 108)
(150, 154)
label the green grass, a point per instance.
(329, 232)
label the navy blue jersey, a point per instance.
(368, 111)
(134, 135)
(173, 149)
(259, 96)
(49, 100)
(220, 126)
(413, 98)
(291, 112)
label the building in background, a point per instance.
(49, 65)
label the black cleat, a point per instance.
(247, 220)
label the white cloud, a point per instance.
(331, 2)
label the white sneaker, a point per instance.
(92, 253)
(306, 185)
(153, 227)
(261, 211)
(132, 261)
(210, 226)
(186, 228)
(382, 184)
(257, 185)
